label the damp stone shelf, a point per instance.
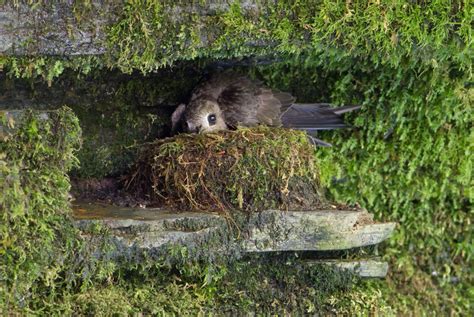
(155, 229)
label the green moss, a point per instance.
(87, 273)
(122, 113)
(34, 204)
(48, 68)
(112, 133)
(387, 31)
(256, 285)
(421, 182)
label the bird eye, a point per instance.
(211, 119)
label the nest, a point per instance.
(250, 169)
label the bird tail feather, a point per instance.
(315, 116)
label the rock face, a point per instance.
(156, 230)
(54, 29)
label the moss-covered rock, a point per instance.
(36, 235)
(409, 63)
(146, 35)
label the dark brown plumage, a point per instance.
(228, 100)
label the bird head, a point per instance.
(201, 116)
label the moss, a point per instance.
(388, 31)
(372, 167)
(48, 68)
(34, 203)
(124, 113)
(290, 287)
(256, 285)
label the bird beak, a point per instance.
(192, 128)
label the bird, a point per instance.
(228, 100)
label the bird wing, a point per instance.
(271, 103)
(237, 100)
(248, 102)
